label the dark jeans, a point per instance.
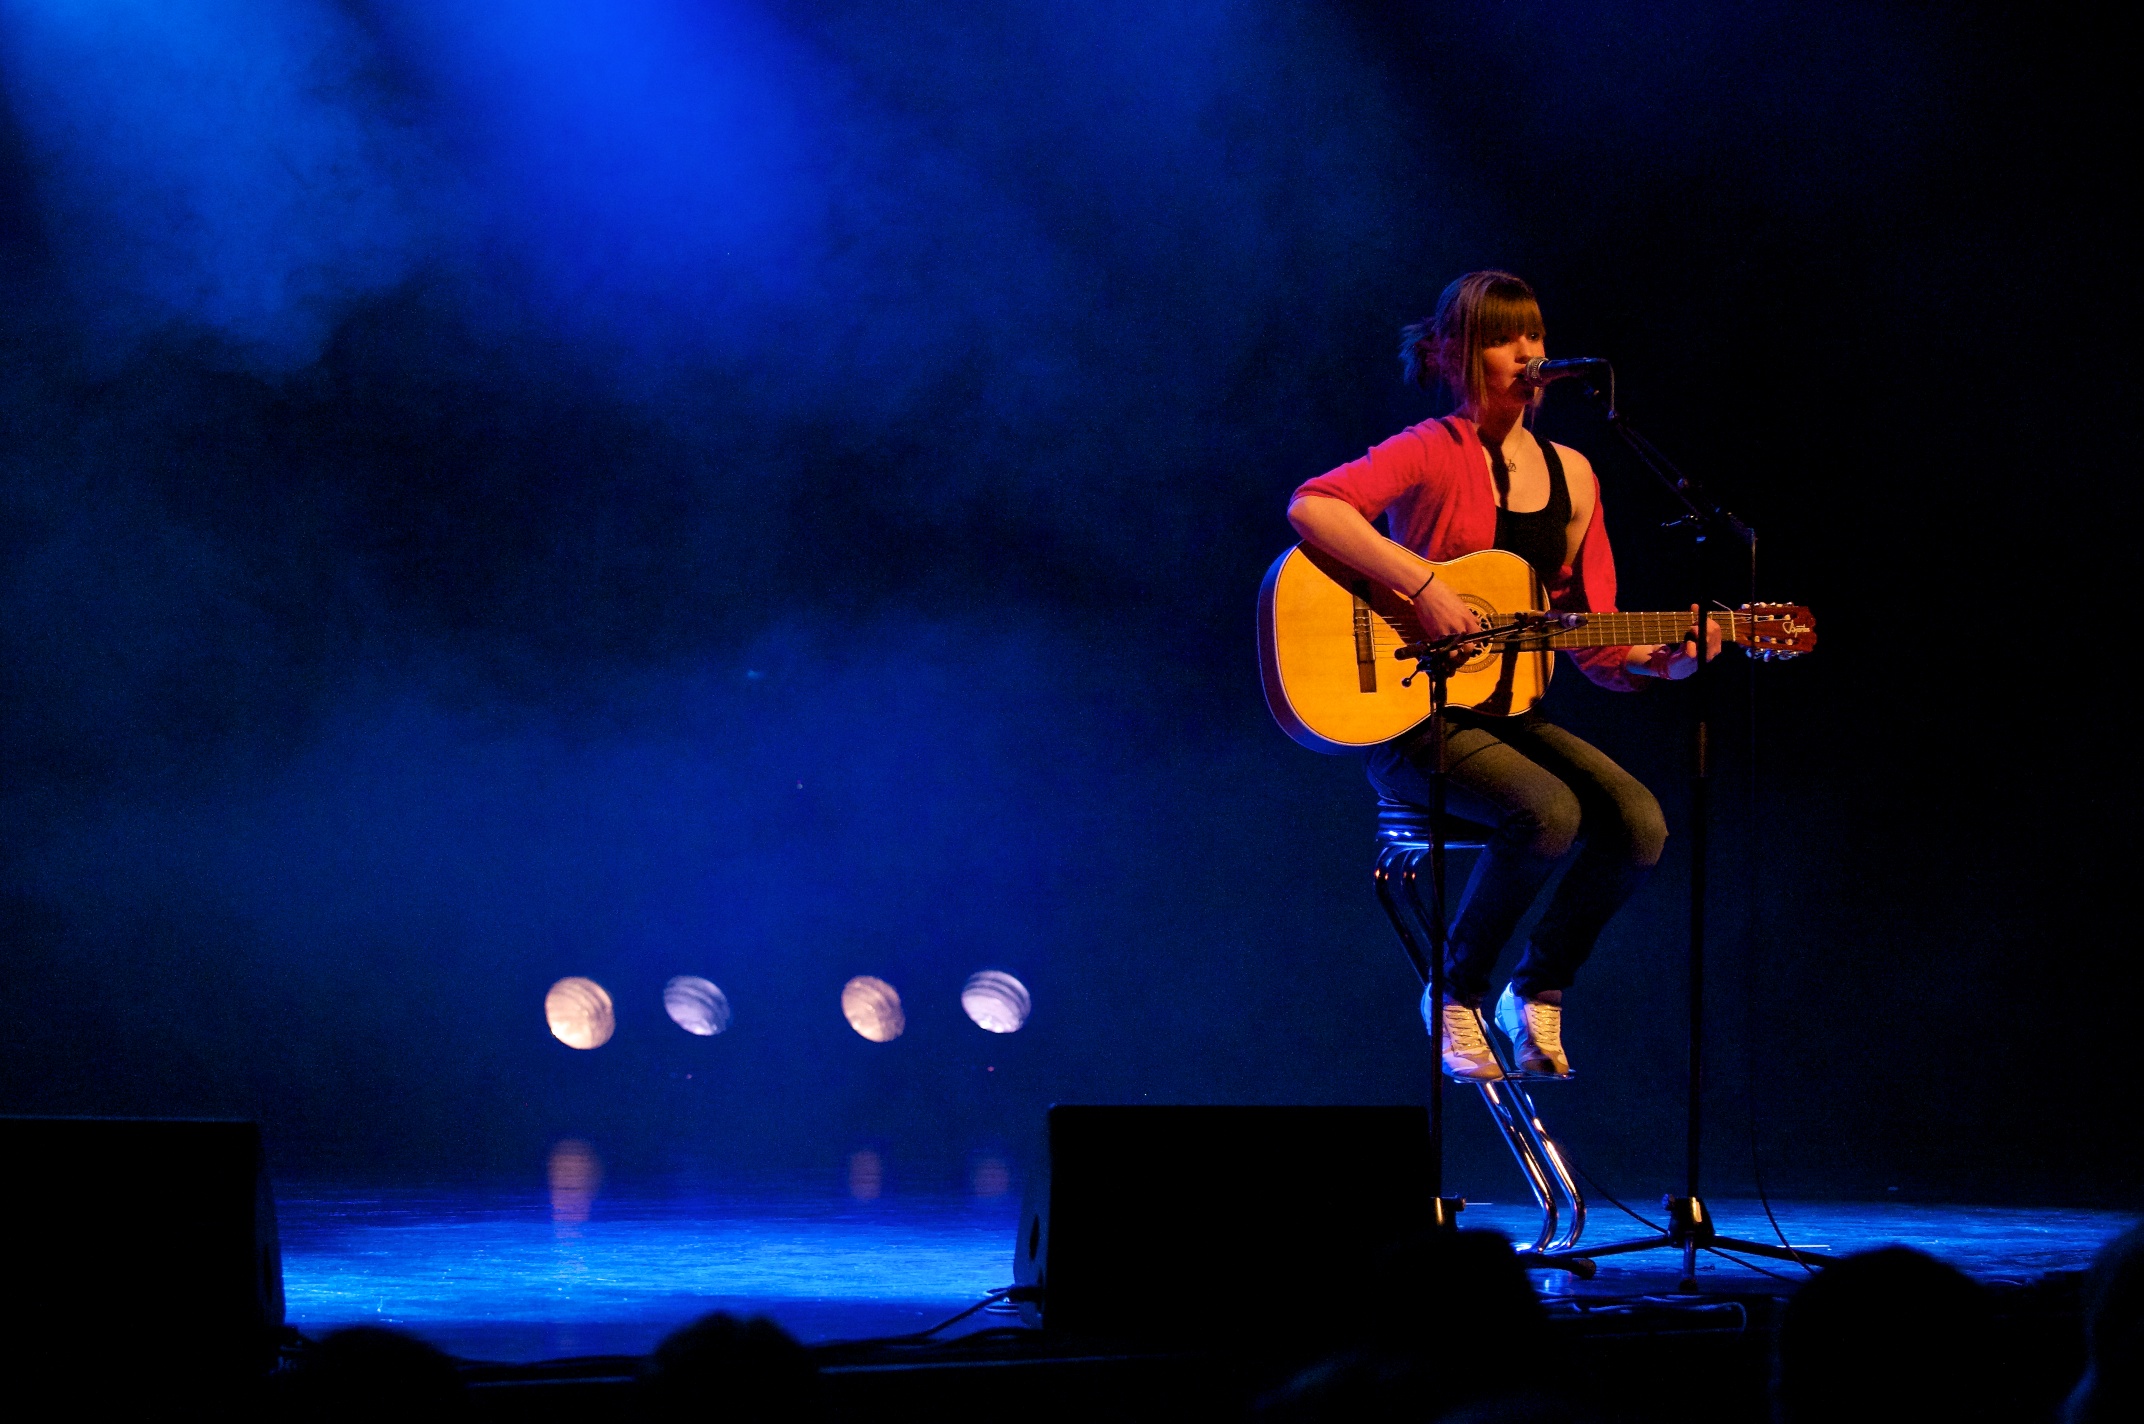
(1542, 791)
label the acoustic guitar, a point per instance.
(1327, 637)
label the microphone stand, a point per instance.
(1439, 658)
(1690, 1225)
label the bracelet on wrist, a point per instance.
(1425, 584)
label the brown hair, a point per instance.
(1478, 310)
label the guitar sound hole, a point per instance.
(1486, 658)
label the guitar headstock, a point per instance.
(1773, 632)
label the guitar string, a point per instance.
(1594, 619)
(1593, 637)
(1612, 629)
(1598, 623)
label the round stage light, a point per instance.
(873, 1008)
(579, 1013)
(696, 1005)
(996, 1001)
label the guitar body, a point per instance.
(1327, 635)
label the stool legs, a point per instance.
(1541, 1161)
(1399, 860)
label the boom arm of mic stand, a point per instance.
(1705, 512)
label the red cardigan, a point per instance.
(1432, 483)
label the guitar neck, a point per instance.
(1610, 630)
(1768, 630)
(1604, 630)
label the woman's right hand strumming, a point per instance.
(1341, 531)
(1442, 614)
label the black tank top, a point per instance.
(1540, 537)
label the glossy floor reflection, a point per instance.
(500, 1275)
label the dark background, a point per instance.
(776, 491)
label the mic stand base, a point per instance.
(1690, 1231)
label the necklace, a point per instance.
(1501, 472)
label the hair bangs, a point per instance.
(1508, 310)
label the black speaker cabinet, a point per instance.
(1197, 1224)
(138, 1247)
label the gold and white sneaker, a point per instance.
(1465, 1047)
(1536, 1033)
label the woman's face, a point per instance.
(1503, 365)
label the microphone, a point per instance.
(1540, 372)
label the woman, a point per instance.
(1475, 480)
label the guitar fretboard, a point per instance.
(1612, 629)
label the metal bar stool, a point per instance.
(1403, 856)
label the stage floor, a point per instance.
(493, 1273)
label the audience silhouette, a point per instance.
(371, 1374)
(2113, 1336)
(720, 1367)
(1441, 1320)
(1887, 1335)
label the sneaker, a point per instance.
(1536, 1033)
(1466, 1048)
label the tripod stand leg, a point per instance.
(1690, 1231)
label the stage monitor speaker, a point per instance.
(142, 1250)
(1190, 1224)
